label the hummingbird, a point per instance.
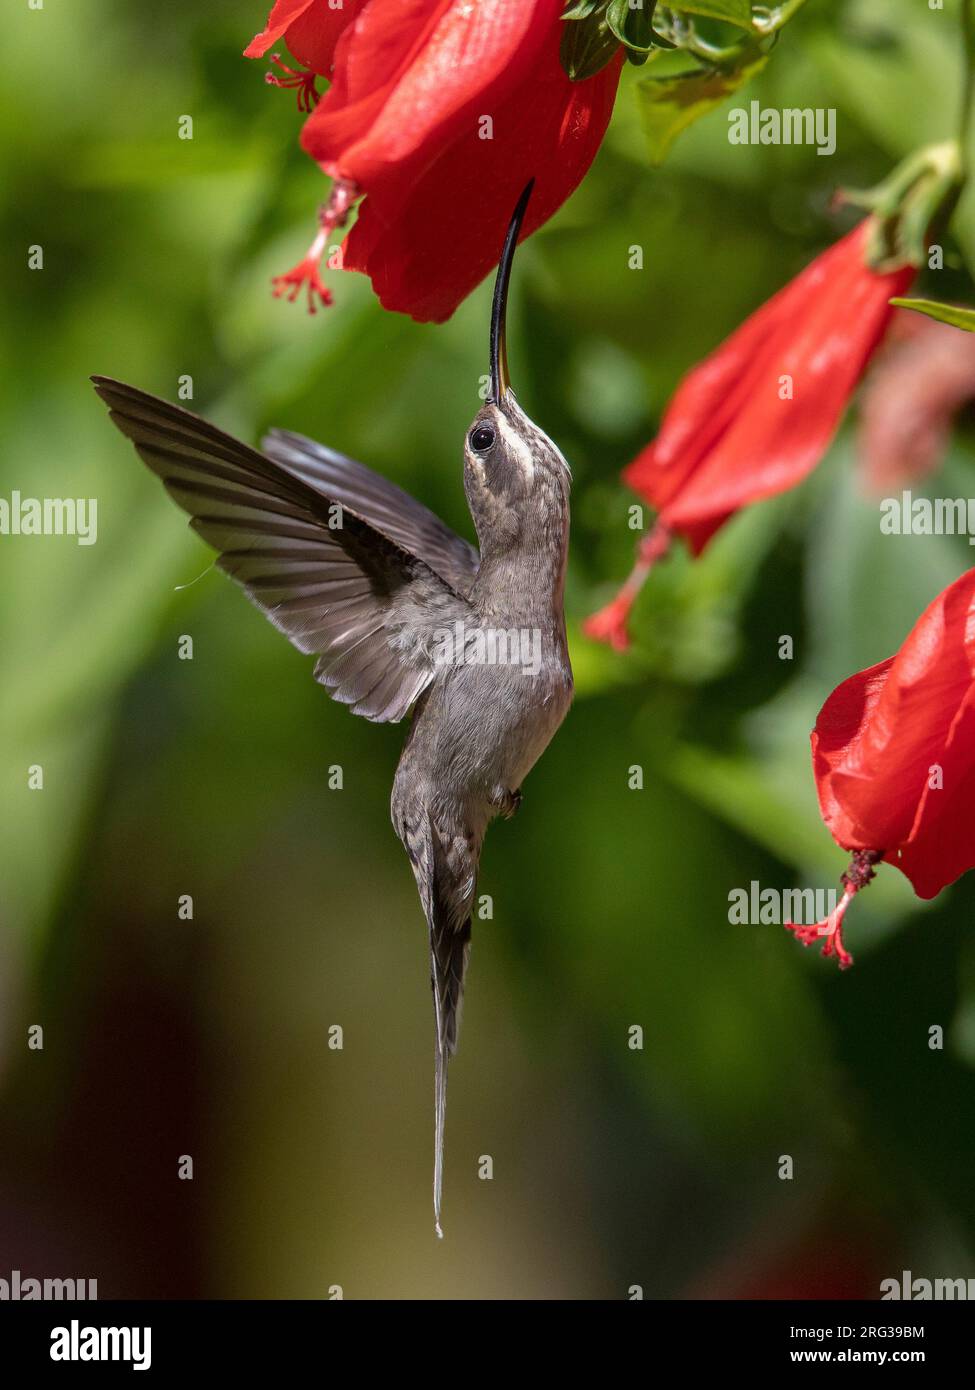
(404, 615)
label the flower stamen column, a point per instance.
(331, 215)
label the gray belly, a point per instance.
(485, 727)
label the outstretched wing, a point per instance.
(384, 505)
(330, 581)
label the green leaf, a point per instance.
(668, 105)
(955, 314)
(734, 11)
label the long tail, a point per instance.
(450, 950)
(445, 865)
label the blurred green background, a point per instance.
(163, 777)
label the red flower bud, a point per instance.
(755, 417)
(758, 414)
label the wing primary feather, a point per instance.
(358, 595)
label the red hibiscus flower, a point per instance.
(894, 760)
(439, 112)
(757, 415)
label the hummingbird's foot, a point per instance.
(306, 274)
(303, 82)
(506, 802)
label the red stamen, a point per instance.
(306, 273)
(857, 876)
(831, 929)
(295, 78)
(609, 624)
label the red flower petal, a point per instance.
(411, 79)
(283, 13)
(315, 34)
(940, 846)
(312, 29)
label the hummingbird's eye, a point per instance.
(482, 438)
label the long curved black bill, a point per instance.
(499, 353)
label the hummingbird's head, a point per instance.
(515, 478)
